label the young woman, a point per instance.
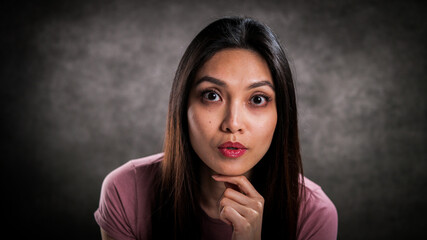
(231, 167)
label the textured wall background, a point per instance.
(85, 87)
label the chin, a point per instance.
(232, 171)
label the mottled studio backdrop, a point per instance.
(85, 86)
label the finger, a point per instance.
(245, 211)
(230, 215)
(241, 181)
(236, 196)
(224, 219)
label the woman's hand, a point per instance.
(241, 206)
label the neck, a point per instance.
(211, 192)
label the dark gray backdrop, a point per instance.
(85, 87)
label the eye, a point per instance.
(260, 100)
(211, 96)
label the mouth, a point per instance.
(232, 150)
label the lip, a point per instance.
(232, 150)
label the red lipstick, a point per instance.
(232, 150)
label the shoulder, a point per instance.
(125, 195)
(318, 217)
(315, 198)
(133, 169)
(123, 178)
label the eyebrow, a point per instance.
(260, 84)
(221, 83)
(211, 80)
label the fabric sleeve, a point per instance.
(115, 214)
(318, 217)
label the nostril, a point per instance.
(231, 131)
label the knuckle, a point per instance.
(259, 204)
(226, 210)
(243, 179)
(246, 226)
(227, 192)
(223, 202)
(253, 214)
(221, 213)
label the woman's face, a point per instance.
(232, 111)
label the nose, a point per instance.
(233, 119)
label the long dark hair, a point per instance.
(276, 177)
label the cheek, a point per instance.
(200, 123)
(265, 124)
(193, 123)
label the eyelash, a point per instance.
(267, 99)
(209, 91)
(204, 97)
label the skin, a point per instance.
(232, 99)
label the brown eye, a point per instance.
(211, 96)
(259, 100)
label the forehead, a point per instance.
(236, 66)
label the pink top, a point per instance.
(124, 207)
